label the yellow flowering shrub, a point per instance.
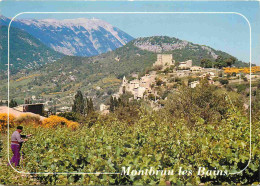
(4, 120)
(72, 125)
(55, 121)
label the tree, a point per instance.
(206, 63)
(27, 101)
(202, 62)
(124, 89)
(79, 103)
(224, 62)
(115, 102)
(230, 61)
(205, 101)
(13, 103)
(220, 62)
(90, 106)
(110, 91)
(224, 81)
(112, 104)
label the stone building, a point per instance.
(194, 84)
(196, 69)
(104, 109)
(137, 87)
(186, 64)
(164, 60)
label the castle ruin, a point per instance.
(164, 60)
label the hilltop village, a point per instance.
(153, 86)
(146, 85)
(164, 75)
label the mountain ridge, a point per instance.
(79, 37)
(100, 75)
(181, 49)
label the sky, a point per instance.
(226, 32)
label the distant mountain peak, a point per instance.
(80, 37)
(88, 24)
(3, 18)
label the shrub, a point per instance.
(245, 79)
(151, 97)
(110, 91)
(4, 120)
(159, 82)
(167, 70)
(223, 81)
(241, 88)
(70, 116)
(157, 67)
(56, 121)
(72, 125)
(28, 119)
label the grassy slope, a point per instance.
(56, 79)
(24, 50)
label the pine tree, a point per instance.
(90, 106)
(112, 105)
(79, 103)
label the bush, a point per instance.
(191, 79)
(223, 81)
(4, 121)
(57, 121)
(245, 79)
(167, 70)
(110, 91)
(159, 82)
(151, 97)
(70, 116)
(28, 119)
(157, 67)
(241, 88)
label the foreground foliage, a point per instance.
(162, 140)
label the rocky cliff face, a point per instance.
(160, 44)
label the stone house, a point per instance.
(195, 69)
(194, 84)
(164, 60)
(185, 65)
(137, 87)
